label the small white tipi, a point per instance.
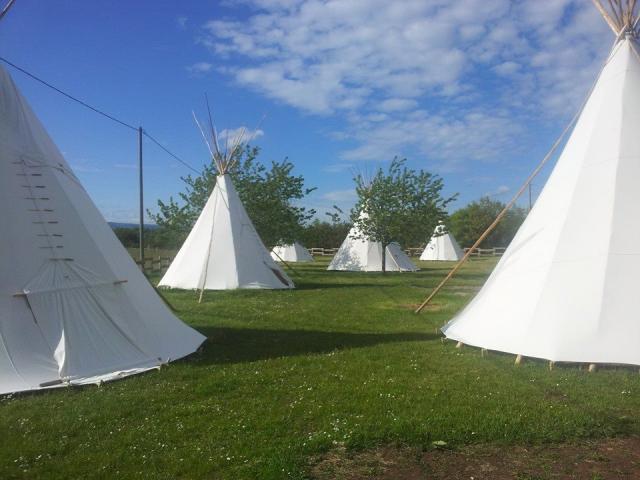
(291, 253)
(360, 255)
(74, 307)
(566, 289)
(442, 246)
(223, 250)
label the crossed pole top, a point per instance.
(620, 15)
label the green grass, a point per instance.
(341, 361)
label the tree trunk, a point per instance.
(384, 259)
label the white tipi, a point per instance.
(291, 253)
(362, 255)
(566, 289)
(223, 250)
(74, 307)
(442, 246)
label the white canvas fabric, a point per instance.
(74, 307)
(442, 246)
(358, 255)
(223, 250)
(566, 289)
(291, 253)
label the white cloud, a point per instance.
(338, 167)
(470, 136)
(199, 68)
(397, 104)
(501, 190)
(181, 21)
(241, 134)
(121, 215)
(83, 165)
(453, 81)
(507, 68)
(126, 166)
(340, 196)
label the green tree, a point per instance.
(323, 234)
(400, 205)
(128, 236)
(468, 223)
(270, 197)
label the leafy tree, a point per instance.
(269, 196)
(128, 236)
(324, 234)
(401, 205)
(468, 223)
(153, 237)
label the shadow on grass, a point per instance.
(239, 345)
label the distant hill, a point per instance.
(147, 226)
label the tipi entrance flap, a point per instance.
(255, 267)
(188, 269)
(203, 245)
(48, 214)
(83, 319)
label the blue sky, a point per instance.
(473, 90)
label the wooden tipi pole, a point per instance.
(498, 218)
(518, 193)
(6, 8)
(285, 262)
(610, 21)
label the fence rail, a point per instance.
(323, 252)
(155, 264)
(487, 252)
(159, 264)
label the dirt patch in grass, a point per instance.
(616, 458)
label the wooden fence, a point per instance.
(155, 264)
(323, 252)
(160, 264)
(479, 252)
(487, 252)
(414, 251)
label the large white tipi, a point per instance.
(566, 289)
(291, 253)
(442, 246)
(362, 255)
(223, 250)
(74, 307)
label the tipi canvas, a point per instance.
(291, 253)
(442, 246)
(74, 307)
(566, 289)
(362, 255)
(223, 250)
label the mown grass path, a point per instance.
(340, 362)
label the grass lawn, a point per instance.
(339, 364)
